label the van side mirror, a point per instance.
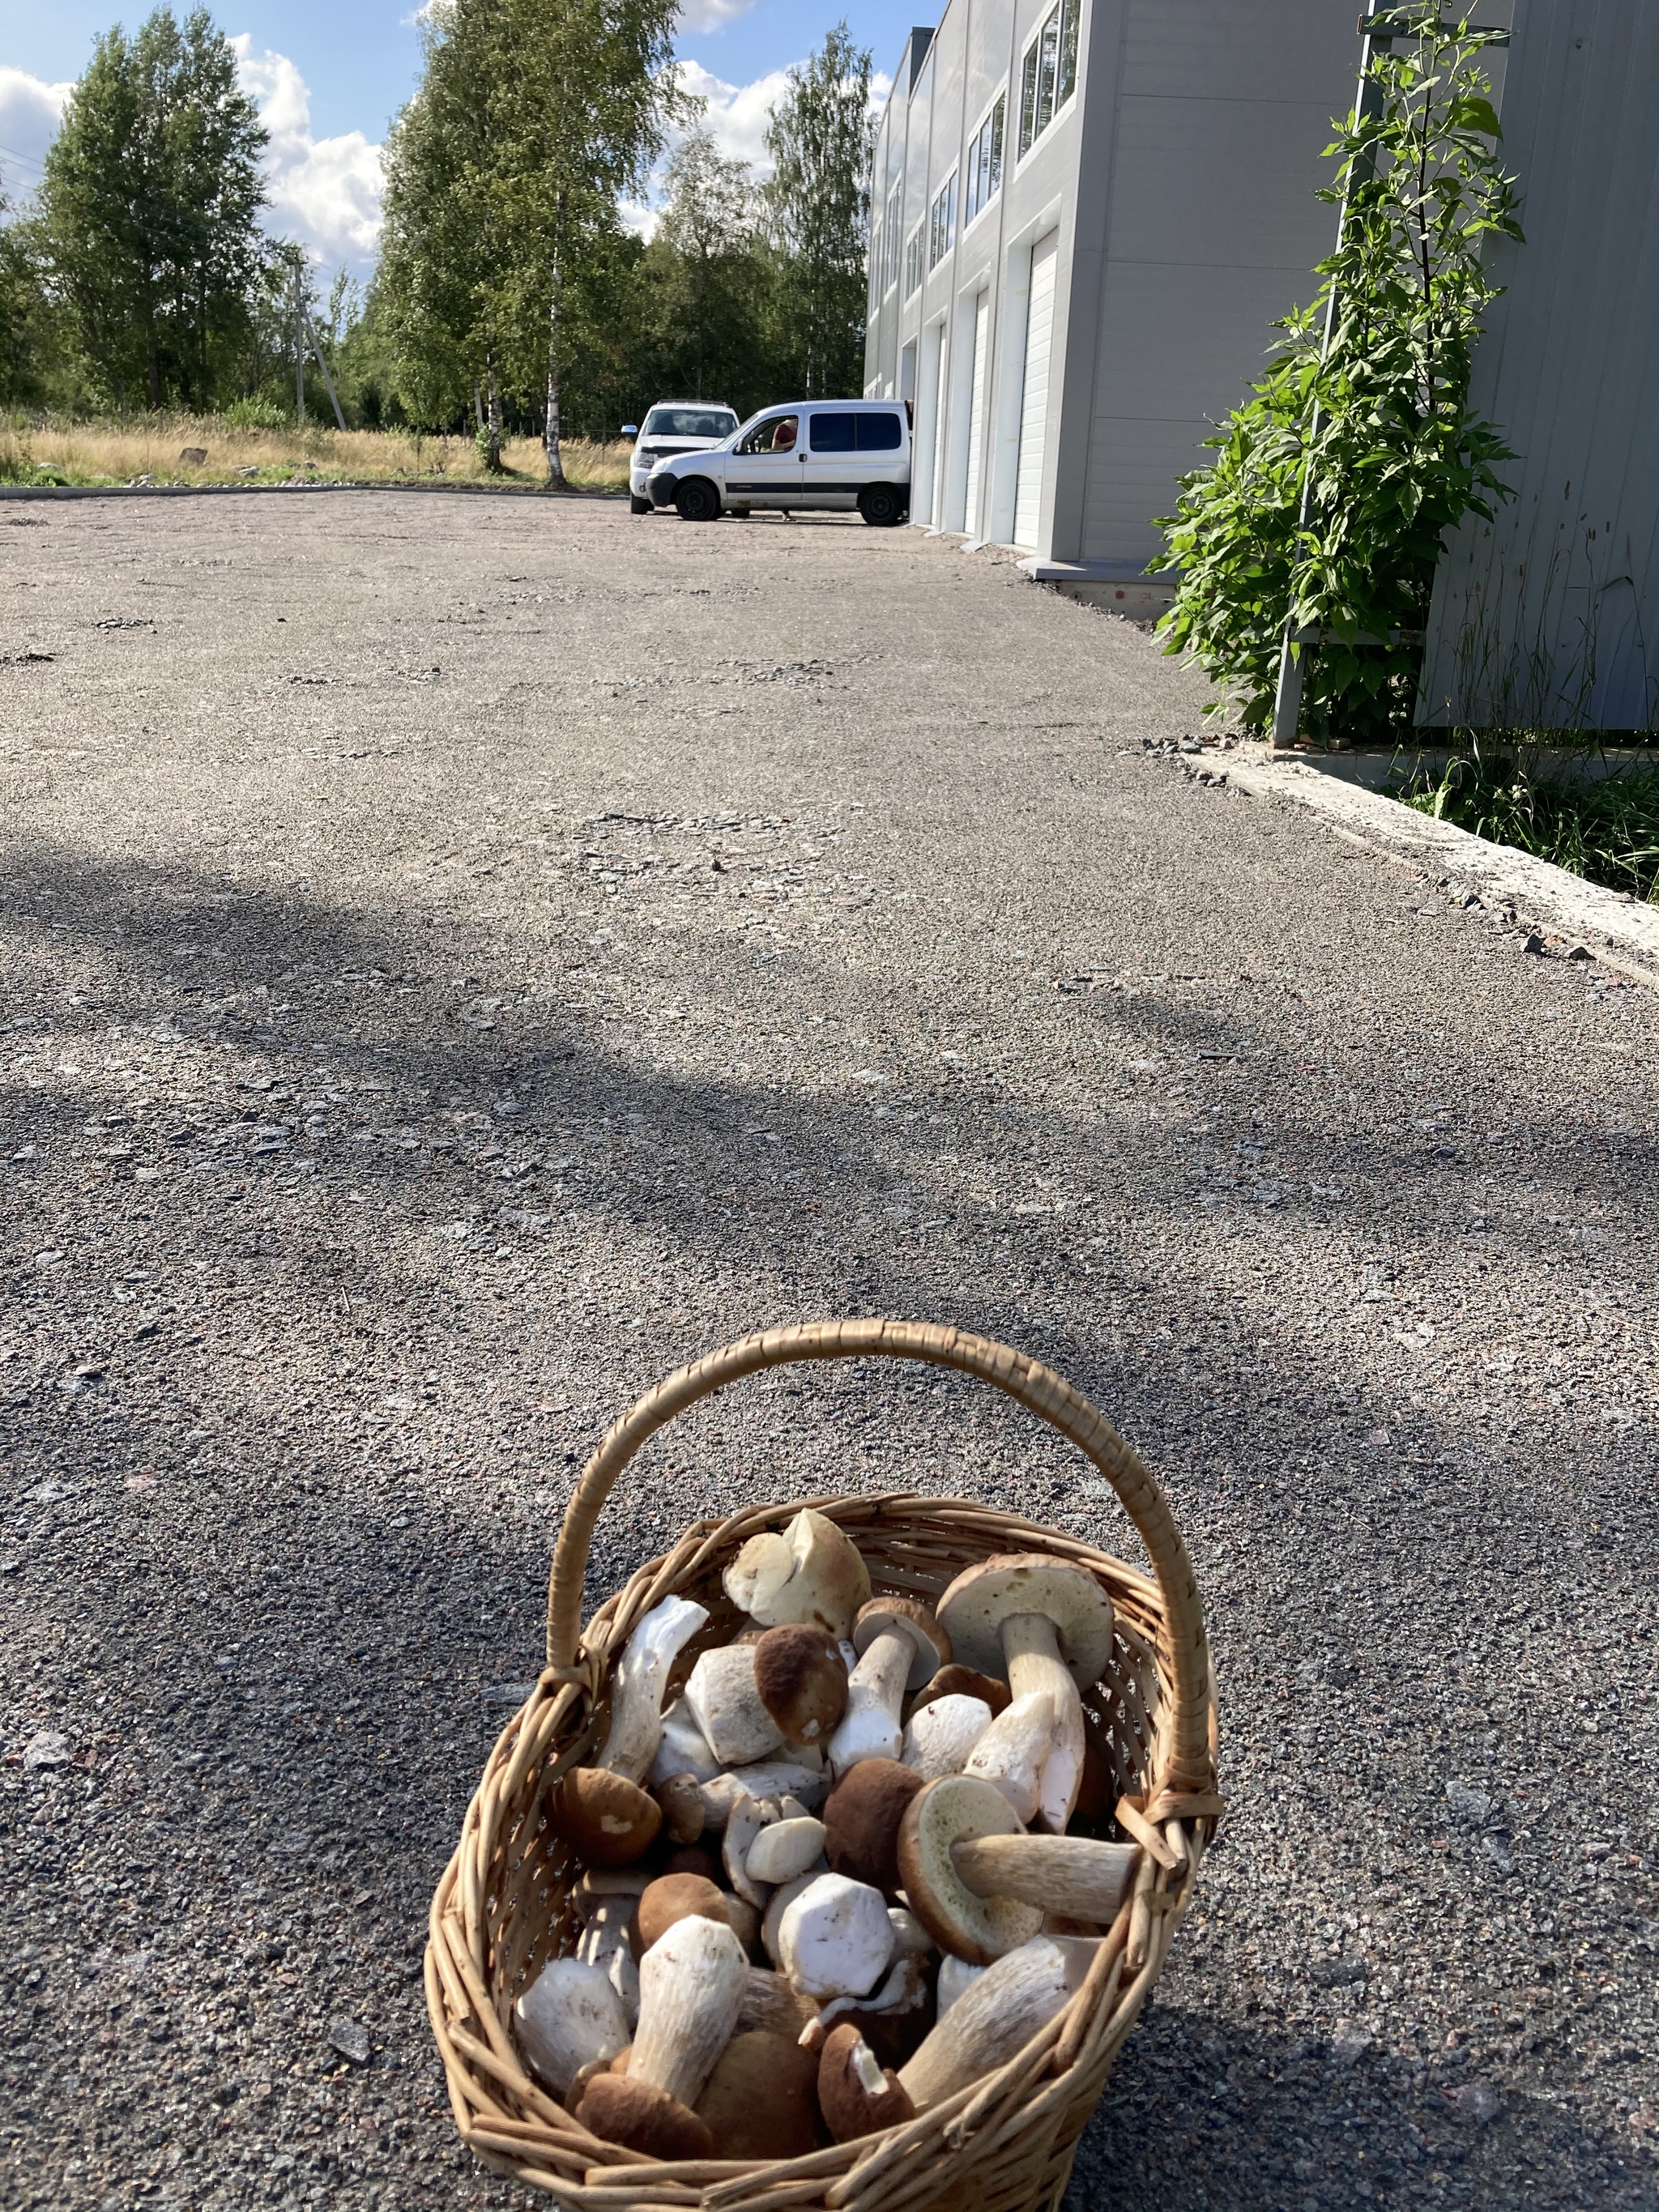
(630, 430)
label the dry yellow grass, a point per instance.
(119, 452)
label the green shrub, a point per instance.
(259, 413)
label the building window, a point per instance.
(913, 261)
(1048, 77)
(982, 176)
(893, 232)
(942, 223)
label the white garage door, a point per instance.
(976, 412)
(938, 503)
(1034, 401)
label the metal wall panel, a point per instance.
(1550, 614)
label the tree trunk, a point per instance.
(152, 364)
(555, 480)
(493, 423)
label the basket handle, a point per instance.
(1184, 1648)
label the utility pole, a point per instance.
(299, 353)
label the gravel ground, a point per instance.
(462, 958)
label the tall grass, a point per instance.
(148, 447)
(1605, 829)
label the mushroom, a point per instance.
(603, 1942)
(956, 1978)
(856, 2094)
(759, 2102)
(606, 1820)
(892, 2021)
(959, 1682)
(770, 2003)
(743, 1919)
(690, 1808)
(809, 1571)
(745, 1821)
(785, 1849)
(672, 1898)
(834, 1939)
(861, 1821)
(900, 1646)
(801, 1679)
(683, 1748)
(1050, 1625)
(990, 2022)
(937, 1737)
(568, 2016)
(1015, 1751)
(910, 1939)
(778, 1904)
(723, 1700)
(980, 1886)
(638, 1684)
(691, 1988)
(620, 2108)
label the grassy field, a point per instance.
(147, 450)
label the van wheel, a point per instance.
(697, 501)
(881, 504)
(638, 506)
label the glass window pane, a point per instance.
(1027, 102)
(831, 434)
(993, 154)
(1068, 23)
(877, 434)
(1048, 47)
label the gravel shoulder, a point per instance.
(459, 958)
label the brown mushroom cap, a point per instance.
(673, 1897)
(761, 2099)
(856, 2094)
(606, 1820)
(801, 1679)
(972, 1611)
(942, 1814)
(930, 1644)
(958, 1681)
(691, 1858)
(861, 1818)
(640, 2117)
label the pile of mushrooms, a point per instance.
(828, 1878)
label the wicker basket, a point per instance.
(503, 1907)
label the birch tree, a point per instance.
(817, 217)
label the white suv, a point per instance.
(674, 426)
(830, 453)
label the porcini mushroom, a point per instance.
(1015, 1751)
(722, 1698)
(810, 1570)
(857, 2095)
(990, 2022)
(568, 2016)
(638, 1684)
(900, 1645)
(980, 1886)
(892, 2020)
(759, 2100)
(778, 1904)
(672, 1898)
(785, 1849)
(683, 1748)
(1050, 1625)
(801, 1679)
(691, 1988)
(690, 1808)
(938, 1737)
(834, 1939)
(957, 1680)
(606, 1820)
(744, 1824)
(955, 1978)
(603, 1942)
(771, 2001)
(861, 1820)
(620, 2108)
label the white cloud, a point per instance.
(737, 114)
(697, 16)
(30, 112)
(325, 191)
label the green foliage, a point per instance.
(1363, 413)
(1606, 829)
(261, 412)
(817, 221)
(701, 287)
(147, 224)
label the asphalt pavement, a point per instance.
(459, 958)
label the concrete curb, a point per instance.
(1617, 929)
(261, 491)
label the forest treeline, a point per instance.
(510, 297)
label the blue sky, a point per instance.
(330, 74)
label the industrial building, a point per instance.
(1085, 216)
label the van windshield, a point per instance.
(690, 423)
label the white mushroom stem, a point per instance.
(1031, 1651)
(990, 2021)
(683, 1749)
(939, 1739)
(1072, 1876)
(1014, 1750)
(638, 1684)
(745, 1821)
(785, 1849)
(569, 2016)
(905, 1990)
(834, 1939)
(956, 1978)
(872, 1727)
(691, 1807)
(725, 1703)
(692, 1982)
(604, 1943)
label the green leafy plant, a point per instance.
(1334, 483)
(1605, 828)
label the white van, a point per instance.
(673, 427)
(811, 453)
